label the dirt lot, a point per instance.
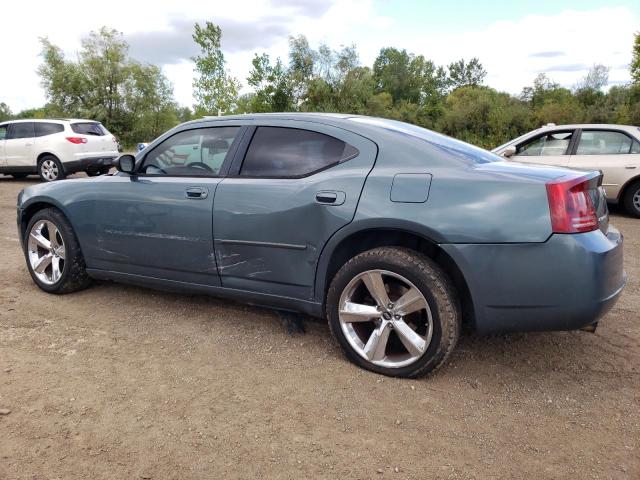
(121, 382)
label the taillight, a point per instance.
(77, 140)
(571, 206)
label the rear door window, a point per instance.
(603, 142)
(282, 152)
(21, 130)
(549, 144)
(89, 128)
(43, 129)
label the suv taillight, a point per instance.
(571, 206)
(77, 140)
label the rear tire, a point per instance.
(53, 254)
(420, 325)
(631, 199)
(50, 169)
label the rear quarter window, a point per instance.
(89, 128)
(43, 129)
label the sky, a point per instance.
(514, 40)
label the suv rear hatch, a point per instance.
(99, 141)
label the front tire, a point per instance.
(50, 169)
(53, 254)
(394, 311)
(631, 200)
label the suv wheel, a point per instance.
(631, 200)
(53, 254)
(394, 311)
(50, 169)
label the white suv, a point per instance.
(55, 148)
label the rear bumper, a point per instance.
(565, 283)
(92, 163)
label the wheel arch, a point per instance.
(339, 250)
(625, 187)
(34, 206)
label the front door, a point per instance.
(297, 184)
(18, 145)
(159, 223)
(549, 148)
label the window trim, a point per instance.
(567, 152)
(596, 129)
(239, 162)
(223, 168)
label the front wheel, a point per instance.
(631, 200)
(394, 311)
(53, 253)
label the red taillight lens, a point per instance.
(571, 206)
(77, 140)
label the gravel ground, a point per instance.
(122, 382)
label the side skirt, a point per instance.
(241, 296)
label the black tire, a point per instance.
(93, 173)
(433, 284)
(50, 169)
(19, 176)
(631, 199)
(74, 276)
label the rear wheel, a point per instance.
(631, 199)
(50, 169)
(53, 254)
(394, 311)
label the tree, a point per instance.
(462, 74)
(635, 59)
(272, 84)
(214, 89)
(133, 100)
(5, 112)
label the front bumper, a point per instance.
(92, 163)
(565, 283)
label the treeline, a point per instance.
(135, 100)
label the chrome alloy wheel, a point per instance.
(385, 318)
(636, 200)
(46, 252)
(49, 170)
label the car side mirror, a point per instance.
(126, 163)
(510, 151)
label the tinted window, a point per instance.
(89, 128)
(3, 132)
(21, 130)
(553, 143)
(43, 129)
(601, 142)
(635, 148)
(198, 152)
(291, 152)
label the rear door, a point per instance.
(548, 148)
(19, 145)
(614, 152)
(289, 191)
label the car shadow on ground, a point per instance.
(520, 355)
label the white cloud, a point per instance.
(513, 51)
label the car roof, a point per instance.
(604, 126)
(41, 120)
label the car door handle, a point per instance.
(330, 197)
(630, 167)
(196, 193)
